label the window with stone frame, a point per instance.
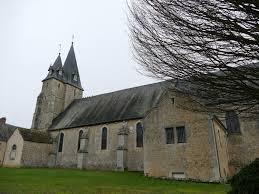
(181, 134)
(139, 132)
(13, 152)
(61, 141)
(232, 122)
(79, 139)
(104, 139)
(169, 135)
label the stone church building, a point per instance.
(136, 129)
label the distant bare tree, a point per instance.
(210, 46)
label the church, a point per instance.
(141, 129)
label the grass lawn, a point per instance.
(65, 181)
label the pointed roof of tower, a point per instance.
(53, 69)
(58, 63)
(71, 70)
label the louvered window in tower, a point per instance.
(60, 72)
(75, 77)
(50, 71)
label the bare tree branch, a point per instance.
(210, 46)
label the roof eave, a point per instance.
(94, 124)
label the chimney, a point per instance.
(2, 122)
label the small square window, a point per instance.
(181, 135)
(169, 135)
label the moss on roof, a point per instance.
(35, 136)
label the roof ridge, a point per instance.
(33, 130)
(121, 90)
(14, 126)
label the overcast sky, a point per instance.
(31, 31)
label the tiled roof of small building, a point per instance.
(6, 131)
(132, 103)
(35, 136)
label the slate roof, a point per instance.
(35, 136)
(53, 70)
(132, 103)
(68, 70)
(58, 63)
(6, 131)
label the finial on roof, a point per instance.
(73, 37)
(59, 49)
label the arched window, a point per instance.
(13, 152)
(61, 140)
(139, 131)
(79, 139)
(104, 139)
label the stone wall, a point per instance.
(55, 96)
(243, 148)
(35, 154)
(50, 103)
(15, 139)
(97, 158)
(194, 159)
(135, 155)
(71, 93)
(2, 151)
(68, 156)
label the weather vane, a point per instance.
(73, 37)
(59, 48)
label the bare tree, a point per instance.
(211, 47)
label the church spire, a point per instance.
(58, 63)
(71, 70)
(54, 69)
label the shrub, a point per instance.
(247, 180)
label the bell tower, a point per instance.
(61, 86)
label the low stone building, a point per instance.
(144, 129)
(27, 147)
(6, 130)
